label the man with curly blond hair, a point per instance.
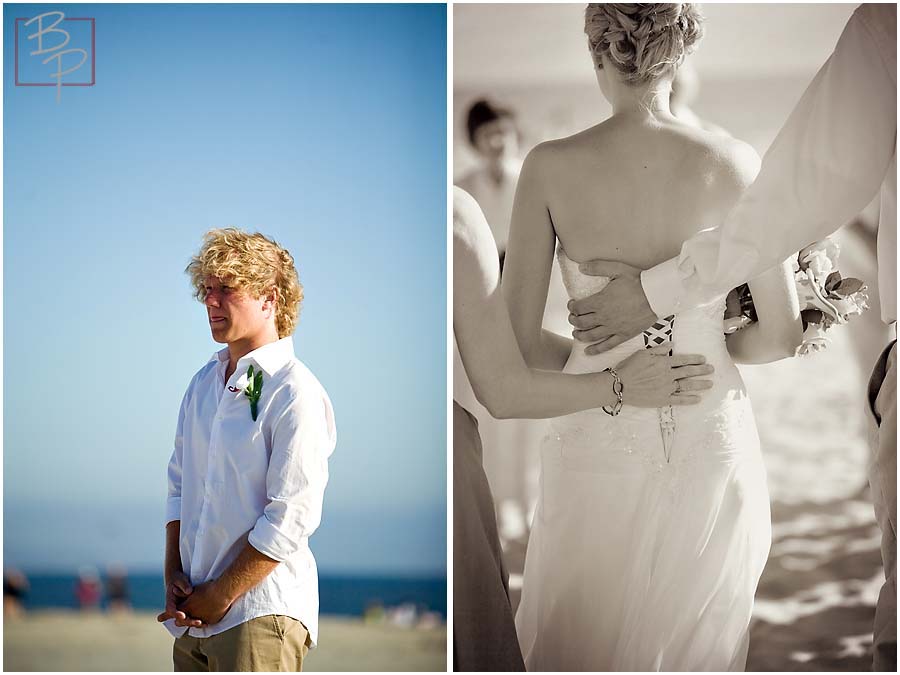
(248, 472)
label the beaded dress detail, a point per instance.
(652, 527)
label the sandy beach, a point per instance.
(135, 642)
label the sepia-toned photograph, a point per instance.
(674, 320)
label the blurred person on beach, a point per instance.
(117, 595)
(87, 589)
(484, 636)
(15, 588)
(494, 134)
(652, 527)
(835, 153)
(248, 473)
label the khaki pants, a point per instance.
(883, 481)
(272, 643)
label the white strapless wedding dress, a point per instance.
(652, 527)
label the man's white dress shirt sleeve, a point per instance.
(173, 501)
(825, 166)
(303, 438)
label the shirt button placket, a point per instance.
(214, 435)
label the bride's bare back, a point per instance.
(633, 189)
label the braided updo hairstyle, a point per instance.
(644, 41)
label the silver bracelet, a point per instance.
(618, 390)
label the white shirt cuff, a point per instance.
(173, 509)
(268, 540)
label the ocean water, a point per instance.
(338, 595)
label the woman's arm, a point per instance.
(526, 271)
(498, 374)
(779, 330)
(487, 345)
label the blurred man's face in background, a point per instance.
(498, 139)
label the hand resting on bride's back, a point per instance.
(620, 311)
(614, 315)
(651, 378)
(497, 371)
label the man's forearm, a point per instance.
(173, 551)
(245, 572)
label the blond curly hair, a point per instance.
(253, 264)
(643, 41)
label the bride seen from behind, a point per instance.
(484, 637)
(652, 526)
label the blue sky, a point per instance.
(322, 126)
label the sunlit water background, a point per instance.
(348, 596)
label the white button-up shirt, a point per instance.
(836, 152)
(231, 476)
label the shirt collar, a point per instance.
(270, 357)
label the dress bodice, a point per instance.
(707, 424)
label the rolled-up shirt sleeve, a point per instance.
(173, 501)
(303, 438)
(824, 167)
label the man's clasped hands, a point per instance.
(193, 606)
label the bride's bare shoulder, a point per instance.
(731, 165)
(725, 166)
(736, 162)
(547, 154)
